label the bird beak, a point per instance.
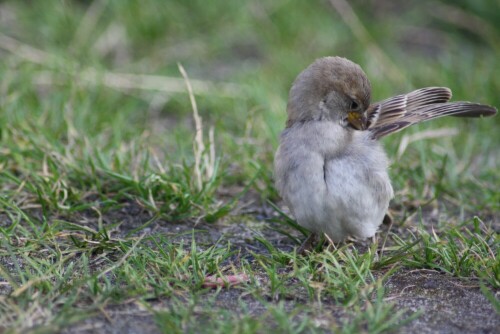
(357, 120)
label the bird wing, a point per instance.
(401, 111)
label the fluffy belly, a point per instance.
(356, 200)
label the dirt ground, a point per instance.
(447, 307)
(448, 304)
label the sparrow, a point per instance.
(330, 168)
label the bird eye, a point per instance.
(354, 105)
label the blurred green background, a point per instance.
(63, 66)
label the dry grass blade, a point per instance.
(129, 81)
(88, 23)
(198, 145)
(122, 81)
(24, 51)
(429, 134)
(27, 285)
(202, 156)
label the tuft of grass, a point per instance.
(460, 252)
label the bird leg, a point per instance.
(308, 244)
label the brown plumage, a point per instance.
(401, 111)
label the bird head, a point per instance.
(330, 89)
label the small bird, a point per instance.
(330, 168)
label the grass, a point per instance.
(124, 125)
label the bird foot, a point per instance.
(309, 244)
